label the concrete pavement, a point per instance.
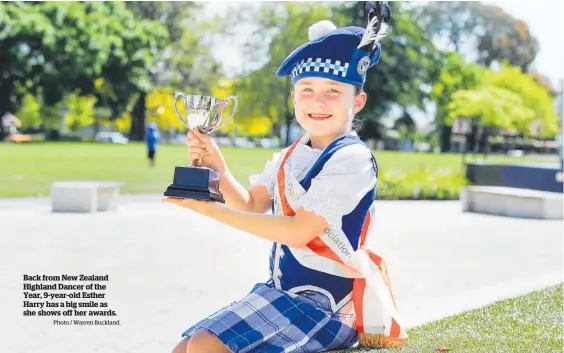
(169, 267)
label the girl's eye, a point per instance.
(307, 89)
(332, 90)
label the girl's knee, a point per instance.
(204, 342)
(181, 346)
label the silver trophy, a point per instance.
(205, 113)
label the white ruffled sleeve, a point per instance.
(344, 180)
(268, 176)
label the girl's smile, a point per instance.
(319, 117)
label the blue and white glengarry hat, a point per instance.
(340, 54)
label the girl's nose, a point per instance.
(319, 99)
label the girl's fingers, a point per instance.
(192, 140)
(202, 137)
(195, 157)
(196, 144)
(199, 150)
(172, 200)
(194, 136)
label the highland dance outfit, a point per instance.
(335, 292)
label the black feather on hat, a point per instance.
(378, 15)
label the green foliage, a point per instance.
(285, 26)
(174, 64)
(81, 111)
(455, 75)
(186, 46)
(407, 67)
(493, 105)
(29, 111)
(534, 96)
(420, 185)
(55, 48)
(509, 99)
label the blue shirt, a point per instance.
(152, 139)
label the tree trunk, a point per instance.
(3, 134)
(486, 144)
(477, 140)
(96, 127)
(6, 105)
(137, 132)
(445, 133)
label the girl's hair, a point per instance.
(358, 90)
(357, 123)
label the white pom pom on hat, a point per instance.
(320, 28)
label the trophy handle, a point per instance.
(236, 100)
(176, 96)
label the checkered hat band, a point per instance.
(321, 65)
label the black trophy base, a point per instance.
(200, 183)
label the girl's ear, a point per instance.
(359, 102)
(293, 99)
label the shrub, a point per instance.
(420, 185)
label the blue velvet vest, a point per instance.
(288, 274)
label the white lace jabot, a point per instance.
(302, 160)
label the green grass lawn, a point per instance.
(28, 169)
(527, 324)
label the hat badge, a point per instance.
(363, 64)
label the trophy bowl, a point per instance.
(207, 114)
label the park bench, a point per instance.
(512, 202)
(85, 195)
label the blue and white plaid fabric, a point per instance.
(321, 65)
(271, 320)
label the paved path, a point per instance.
(169, 267)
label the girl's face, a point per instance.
(325, 107)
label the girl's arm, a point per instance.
(294, 231)
(255, 200)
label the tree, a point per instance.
(53, 49)
(24, 31)
(487, 108)
(284, 26)
(455, 75)
(509, 99)
(188, 48)
(534, 96)
(494, 106)
(407, 67)
(490, 34)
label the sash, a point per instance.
(377, 320)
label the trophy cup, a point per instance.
(206, 114)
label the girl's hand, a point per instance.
(192, 204)
(203, 151)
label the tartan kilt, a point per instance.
(271, 320)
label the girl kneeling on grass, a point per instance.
(326, 290)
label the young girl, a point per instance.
(326, 289)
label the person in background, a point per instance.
(152, 140)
